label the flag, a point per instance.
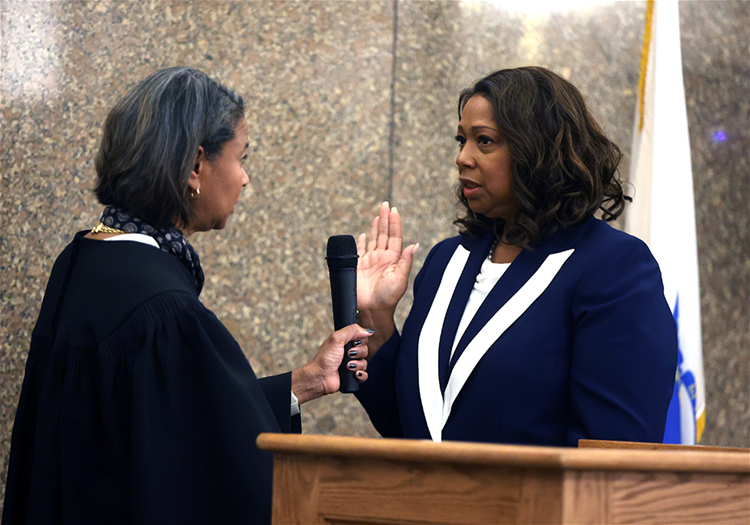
(663, 213)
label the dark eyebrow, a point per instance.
(475, 129)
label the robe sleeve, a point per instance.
(624, 353)
(197, 409)
(278, 391)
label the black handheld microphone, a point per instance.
(341, 256)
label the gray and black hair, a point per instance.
(151, 138)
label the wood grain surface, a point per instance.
(336, 480)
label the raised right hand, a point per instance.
(383, 267)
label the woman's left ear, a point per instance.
(195, 174)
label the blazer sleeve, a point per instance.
(624, 353)
(378, 395)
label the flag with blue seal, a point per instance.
(663, 210)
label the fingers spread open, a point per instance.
(407, 258)
(361, 244)
(395, 235)
(383, 221)
(373, 242)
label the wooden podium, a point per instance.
(340, 480)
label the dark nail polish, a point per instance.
(369, 331)
(357, 342)
(359, 374)
(352, 365)
(352, 353)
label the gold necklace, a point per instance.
(101, 228)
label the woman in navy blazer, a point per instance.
(538, 324)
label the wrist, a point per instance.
(308, 383)
(376, 318)
(384, 325)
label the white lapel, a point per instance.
(429, 341)
(436, 409)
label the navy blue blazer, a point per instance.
(576, 340)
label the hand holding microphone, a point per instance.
(341, 256)
(327, 372)
(320, 376)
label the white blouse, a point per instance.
(488, 276)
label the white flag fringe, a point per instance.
(663, 213)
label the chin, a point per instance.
(478, 210)
(220, 225)
(494, 213)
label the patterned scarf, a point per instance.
(170, 240)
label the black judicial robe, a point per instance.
(138, 406)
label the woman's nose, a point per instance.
(464, 158)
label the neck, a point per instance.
(502, 252)
(186, 229)
(509, 224)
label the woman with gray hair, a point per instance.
(138, 406)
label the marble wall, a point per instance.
(349, 103)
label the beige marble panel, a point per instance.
(716, 68)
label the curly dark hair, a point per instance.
(564, 167)
(151, 139)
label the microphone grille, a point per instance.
(341, 252)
